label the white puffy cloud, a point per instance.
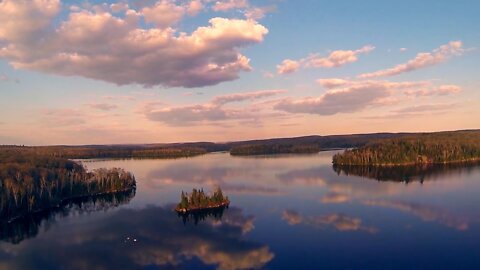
(421, 60)
(98, 44)
(334, 59)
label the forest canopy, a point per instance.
(427, 148)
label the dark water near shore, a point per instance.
(286, 212)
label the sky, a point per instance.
(159, 71)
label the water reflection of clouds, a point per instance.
(333, 197)
(211, 176)
(342, 189)
(338, 221)
(162, 241)
(351, 187)
(425, 213)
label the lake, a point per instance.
(286, 212)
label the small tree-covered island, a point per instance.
(417, 149)
(198, 200)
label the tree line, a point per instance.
(106, 151)
(428, 148)
(269, 149)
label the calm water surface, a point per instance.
(287, 212)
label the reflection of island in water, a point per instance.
(407, 173)
(203, 214)
(28, 226)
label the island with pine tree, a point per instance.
(198, 201)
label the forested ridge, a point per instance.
(108, 151)
(32, 182)
(427, 148)
(269, 149)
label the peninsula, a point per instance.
(31, 182)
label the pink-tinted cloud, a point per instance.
(257, 13)
(103, 106)
(164, 13)
(220, 100)
(226, 5)
(441, 90)
(334, 59)
(288, 66)
(425, 108)
(422, 60)
(345, 96)
(213, 111)
(337, 58)
(100, 44)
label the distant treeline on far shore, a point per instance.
(368, 145)
(427, 148)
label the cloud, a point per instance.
(226, 5)
(425, 108)
(164, 13)
(336, 58)
(103, 106)
(421, 60)
(339, 222)
(425, 213)
(224, 99)
(213, 111)
(347, 96)
(442, 90)
(344, 97)
(257, 13)
(288, 66)
(99, 44)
